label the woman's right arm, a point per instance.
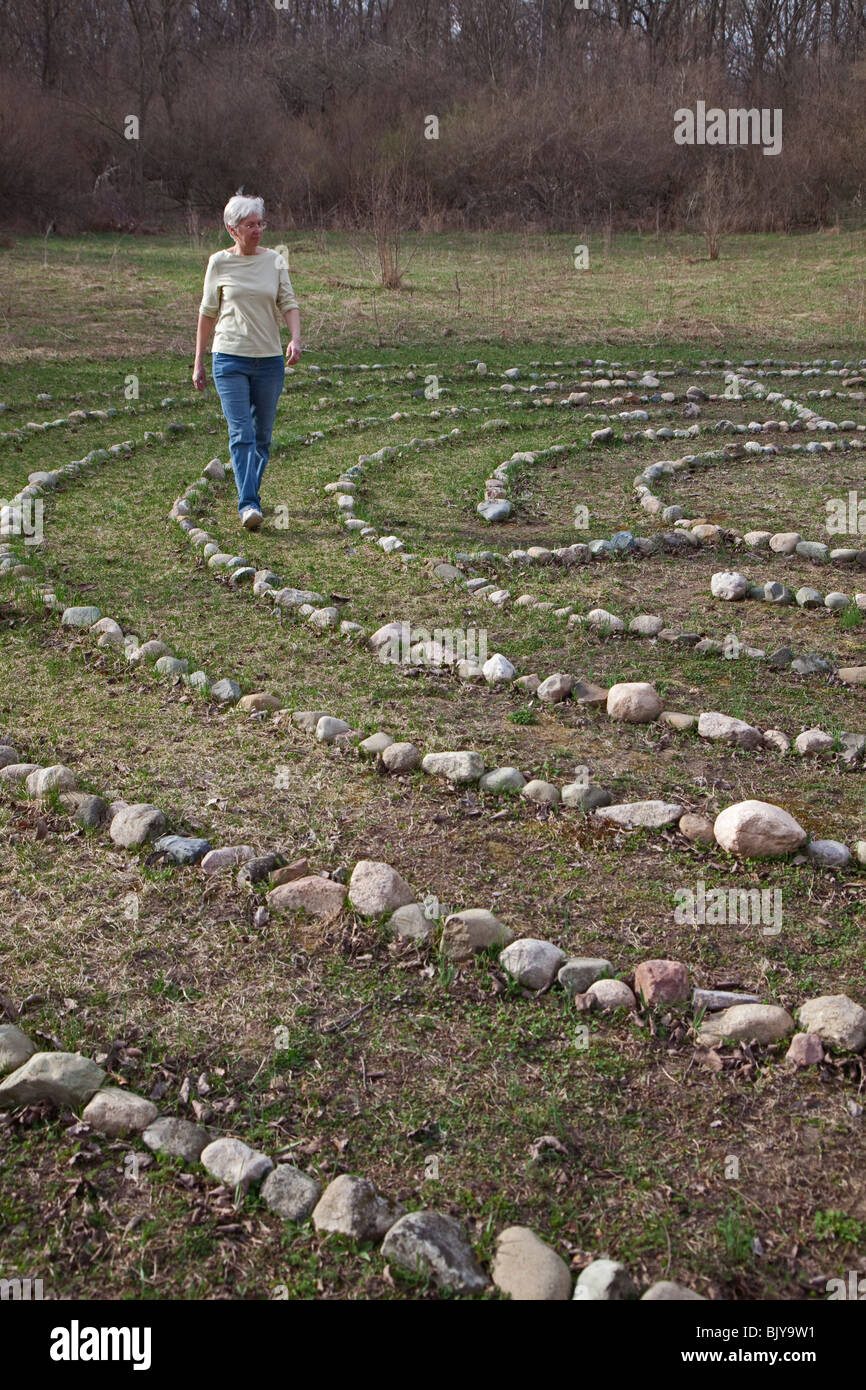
(202, 338)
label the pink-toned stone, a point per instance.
(662, 981)
(806, 1050)
(321, 897)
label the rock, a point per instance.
(64, 1078)
(502, 779)
(328, 728)
(527, 1269)
(728, 584)
(107, 627)
(252, 704)
(666, 1291)
(586, 796)
(226, 692)
(836, 602)
(661, 982)
(320, 897)
(761, 1023)
(646, 625)
(147, 651)
(135, 824)
(89, 811)
(528, 683)
(812, 741)
(758, 830)
(9, 756)
(543, 793)
(806, 1050)
(48, 779)
(604, 621)
(227, 857)
(171, 666)
(755, 539)
(604, 1280)
(555, 689)
(401, 757)
(351, 1206)
(808, 597)
(722, 727)
(308, 719)
(235, 1164)
(635, 702)
(852, 675)
(809, 666)
(473, 929)
(290, 1193)
(430, 1243)
(177, 1139)
(698, 829)
(15, 1048)
(498, 670)
(412, 922)
(455, 767)
(290, 873)
(257, 869)
(494, 511)
(775, 738)
(182, 849)
(80, 617)
(641, 815)
(17, 772)
(837, 1020)
(828, 854)
(713, 1000)
(812, 550)
(532, 963)
(579, 972)
(375, 888)
(785, 542)
(588, 693)
(114, 1111)
(611, 994)
(375, 744)
(323, 618)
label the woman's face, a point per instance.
(248, 232)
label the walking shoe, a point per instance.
(251, 519)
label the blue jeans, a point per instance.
(249, 389)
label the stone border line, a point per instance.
(427, 1241)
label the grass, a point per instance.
(446, 1061)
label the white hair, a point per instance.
(240, 206)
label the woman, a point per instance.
(245, 292)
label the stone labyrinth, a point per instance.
(639, 589)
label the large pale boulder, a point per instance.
(527, 1269)
(635, 702)
(761, 1023)
(837, 1020)
(473, 929)
(758, 830)
(375, 888)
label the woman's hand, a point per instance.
(293, 352)
(199, 376)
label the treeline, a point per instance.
(144, 114)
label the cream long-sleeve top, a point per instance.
(246, 295)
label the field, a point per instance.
(335, 1043)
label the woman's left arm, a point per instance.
(293, 323)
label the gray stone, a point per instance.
(308, 719)
(646, 625)
(837, 1020)
(555, 689)
(401, 757)
(290, 1193)
(609, 995)
(64, 1078)
(634, 702)
(532, 963)
(80, 617)
(375, 888)
(328, 728)
(641, 815)
(428, 1242)
(807, 597)
(351, 1206)
(585, 796)
(114, 1111)
(234, 1163)
(666, 1291)
(813, 741)
(604, 1281)
(543, 793)
(579, 972)
(809, 665)
(723, 728)
(375, 744)
(183, 849)
(762, 1023)
(712, 1000)
(528, 1269)
(89, 811)
(48, 779)
(828, 854)
(135, 824)
(177, 1139)
(728, 584)
(494, 511)
(226, 692)
(473, 929)
(603, 621)
(458, 767)
(412, 922)
(9, 756)
(226, 857)
(15, 1048)
(503, 779)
